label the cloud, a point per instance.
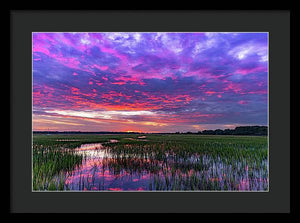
(151, 81)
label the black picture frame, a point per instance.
(24, 22)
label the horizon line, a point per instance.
(138, 132)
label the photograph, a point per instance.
(150, 112)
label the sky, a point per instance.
(149, 82)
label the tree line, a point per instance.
(240, 130)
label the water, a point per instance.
(94, 174)
(102, 170)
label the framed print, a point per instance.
(154, 109)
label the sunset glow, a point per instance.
(149, 82)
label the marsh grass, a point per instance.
(170, 162)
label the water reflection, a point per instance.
(102, 170)
(95, 174)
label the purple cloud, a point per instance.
(183, 80)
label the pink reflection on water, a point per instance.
(113, 140)
(115, 189)
(246, 168)
(92, 146)
(145, 177)
(101, 171)
(244, 184)
(95, 172)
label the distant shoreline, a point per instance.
(240, 130)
